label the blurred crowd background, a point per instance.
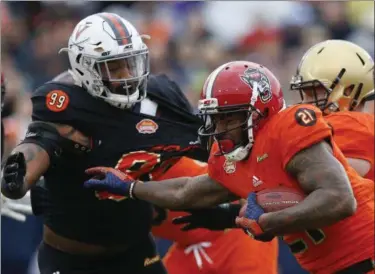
(188, 40)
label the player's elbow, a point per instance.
(350, 206)
(347, 203)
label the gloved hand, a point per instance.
(216, 218)
(18, 209)
(250, 221)
(13, 177)
(110, 180)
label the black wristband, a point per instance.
(233, 211)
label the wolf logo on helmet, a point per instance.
(251, 76)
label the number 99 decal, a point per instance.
(57, 100)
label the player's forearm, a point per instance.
(184, 192)
(322, 207)
(166, 194)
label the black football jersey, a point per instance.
(162, 123)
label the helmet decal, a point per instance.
(252, 76)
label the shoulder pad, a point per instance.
(55, 101)
(63, 103)
(161, 88)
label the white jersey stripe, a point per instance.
(211, 80)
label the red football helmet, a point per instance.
(240, 86)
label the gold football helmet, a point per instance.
(336, 74)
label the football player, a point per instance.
(110, 111)
(260, 145)
(337, 77)
(319, 82)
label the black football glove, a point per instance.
(12, 181)
(216, 218)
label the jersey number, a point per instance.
(305, 117)
(139, 164)
(317, 236)
(143, 165)
(57, 100)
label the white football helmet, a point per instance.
(109, 59)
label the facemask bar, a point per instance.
(208, 128)
(135, 65)
(297, 83)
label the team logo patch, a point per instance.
(229, 166)
(57, 100)
(252, 76)
(147, 126)
(262, 157)
(305, 117)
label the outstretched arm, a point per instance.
(329, 194)
(185, 192)
(29, 161)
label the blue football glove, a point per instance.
(250, 221)
(110, 180)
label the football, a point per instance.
(279, 198)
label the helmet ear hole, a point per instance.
(78, 58)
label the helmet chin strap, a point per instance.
(241, 152)
(238, 154)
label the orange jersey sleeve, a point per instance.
(354, 135)
(167, 230)
(299, 127)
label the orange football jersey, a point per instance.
(353, 132)
(324, 250)
(168, 230)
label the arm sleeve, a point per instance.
(54, 102)
(299, 128)
(66, 104)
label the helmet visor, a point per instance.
(124, 73)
